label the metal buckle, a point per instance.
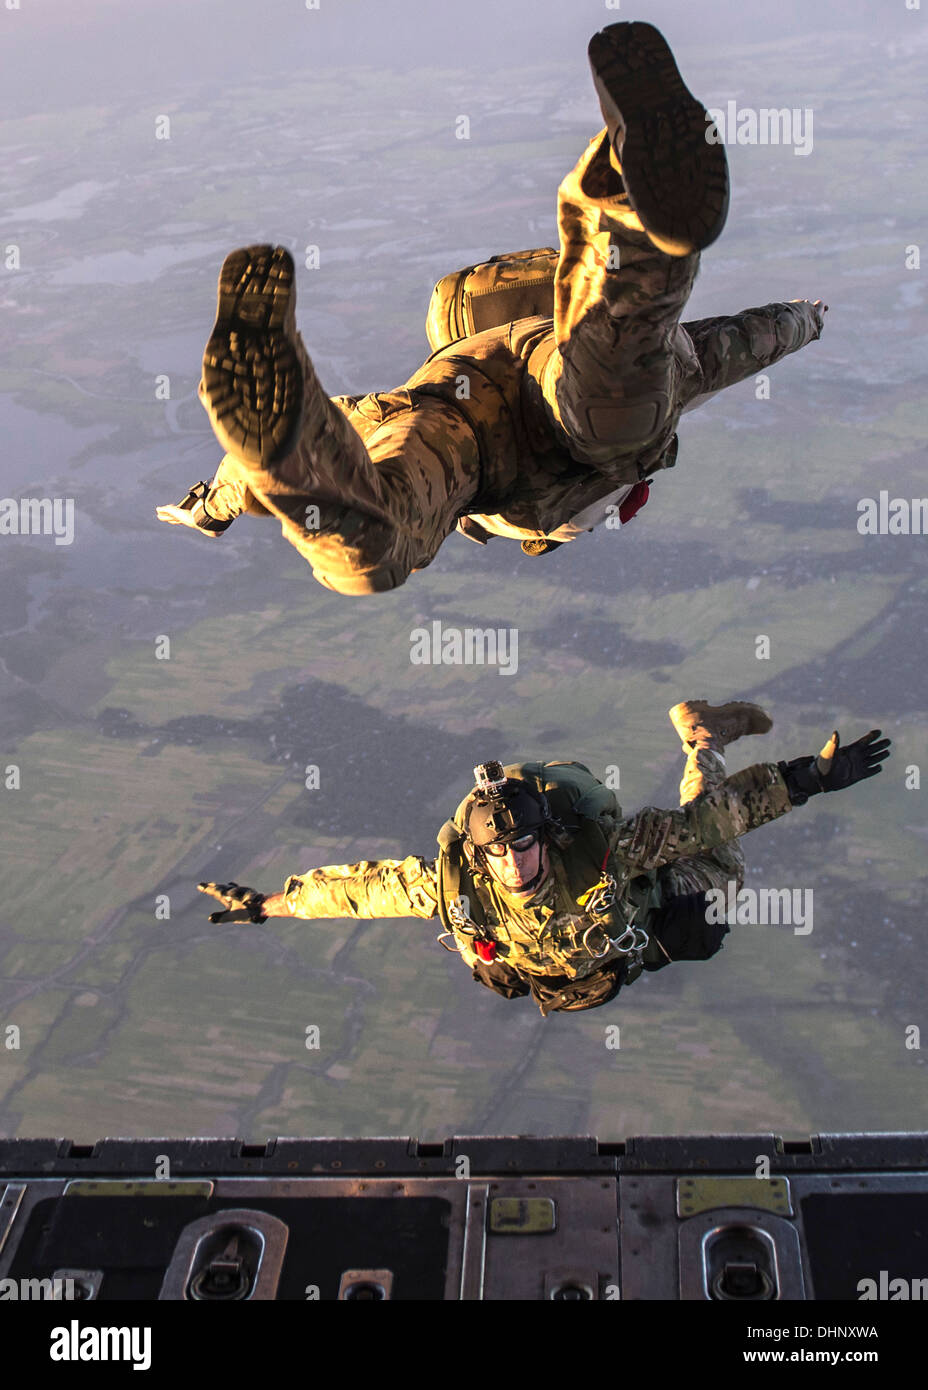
(639, 940)
(601, 898)
(460, 919)
(629, 943)
(464, 924)
(597, 955)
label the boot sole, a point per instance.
(252, 377)
(676, 180)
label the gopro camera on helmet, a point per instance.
(490, 777)
(502, 808)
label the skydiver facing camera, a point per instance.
(544, 887)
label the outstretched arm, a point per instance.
(743, 802)
(370, 888)
(212, 506)
(731, 348)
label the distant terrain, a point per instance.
(140, 776)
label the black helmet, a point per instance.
(501, 809)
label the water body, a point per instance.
(67, 205)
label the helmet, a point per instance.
(499, 810)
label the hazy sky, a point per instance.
(52, 51)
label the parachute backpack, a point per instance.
(501, 290)
(576, 802)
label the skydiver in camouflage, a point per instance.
(558, 379)
(545, 888)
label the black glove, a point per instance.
(242, 904)
(835, 767)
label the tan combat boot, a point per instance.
(252, 385)
(705, 730)
(702, 725)
(675, 173)
(300, 454)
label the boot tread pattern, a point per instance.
(676, 180)
(252, 376)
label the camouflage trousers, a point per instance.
(377, 482)
(705, 769)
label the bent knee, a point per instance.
(624, 424)
(355, 583)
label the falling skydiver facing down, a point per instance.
(545, 888)
(538, 427)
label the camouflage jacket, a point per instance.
(527, 484)
(530, 484)
(550, 935)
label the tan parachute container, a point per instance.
(498, 291)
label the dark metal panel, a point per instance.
(10, 1203)
(875, 1150)
(577, 1256)
(487, 1155)
(706, 1153)
(648, 1223)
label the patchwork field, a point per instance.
(140, 775)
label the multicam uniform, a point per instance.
(559, 413)
(660, 855)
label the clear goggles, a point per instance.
(518, 845)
